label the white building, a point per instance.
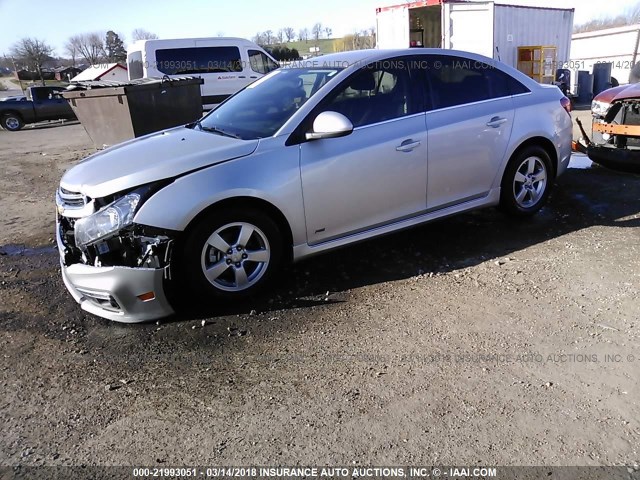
(491, 28)
(618, 46)
(105, 71)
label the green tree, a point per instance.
(115, 48)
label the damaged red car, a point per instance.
(616, 128)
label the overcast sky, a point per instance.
(54, 21)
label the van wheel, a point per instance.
(231, 253)
(11, 122)
(527, 182)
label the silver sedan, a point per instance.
(315, 156)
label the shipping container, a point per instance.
(492, 29)
(618, 46)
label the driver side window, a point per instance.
(375, 93)
(260, 63)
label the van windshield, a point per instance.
(263, 107)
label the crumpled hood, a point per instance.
(619, 93)
(154, 157)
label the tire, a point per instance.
(526, 182)
(206, 265)
(11, 122)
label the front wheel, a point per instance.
(527, 182)
(12, 122)
(231, 254)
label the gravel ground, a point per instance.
(472, 340)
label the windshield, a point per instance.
(263, 107)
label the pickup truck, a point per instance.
(41, 103)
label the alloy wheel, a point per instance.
(12, 123)
(530, 182)
(235, 256)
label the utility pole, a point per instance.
(15, 71)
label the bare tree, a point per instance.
(268, 37)
(280, 36)
(257, 38)
(634, 13)
(328, 32)
(358, 40)
(630, 16)
(71, 49)
(32, 52)
(142, 34)
(264, 38)
(303, 35)
(289, 33)
(90, 46)
(316, 30)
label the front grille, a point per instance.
(72, 199)
(632, 114)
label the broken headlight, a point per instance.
(107, 221)
(600, 109)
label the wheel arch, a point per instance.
(254, 203)
(537, 141)
(16, 113)
(4, 113)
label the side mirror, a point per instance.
(330, 125)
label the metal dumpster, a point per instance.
(112, 112)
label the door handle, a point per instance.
(495, 122)
(407, 146)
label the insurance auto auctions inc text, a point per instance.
(374, 472)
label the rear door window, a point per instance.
(196, 60)
(458, 81)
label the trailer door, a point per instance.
(393, 27)
(469, 27)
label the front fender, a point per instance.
(272, 175)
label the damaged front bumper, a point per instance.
(128, 294)
(615, 140)
(615, 158)
(122, 294)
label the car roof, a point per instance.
(358, 57)
(345, 59)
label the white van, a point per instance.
(226, 64)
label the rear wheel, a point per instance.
(231, 254)
(12, 122)
(527, 182)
